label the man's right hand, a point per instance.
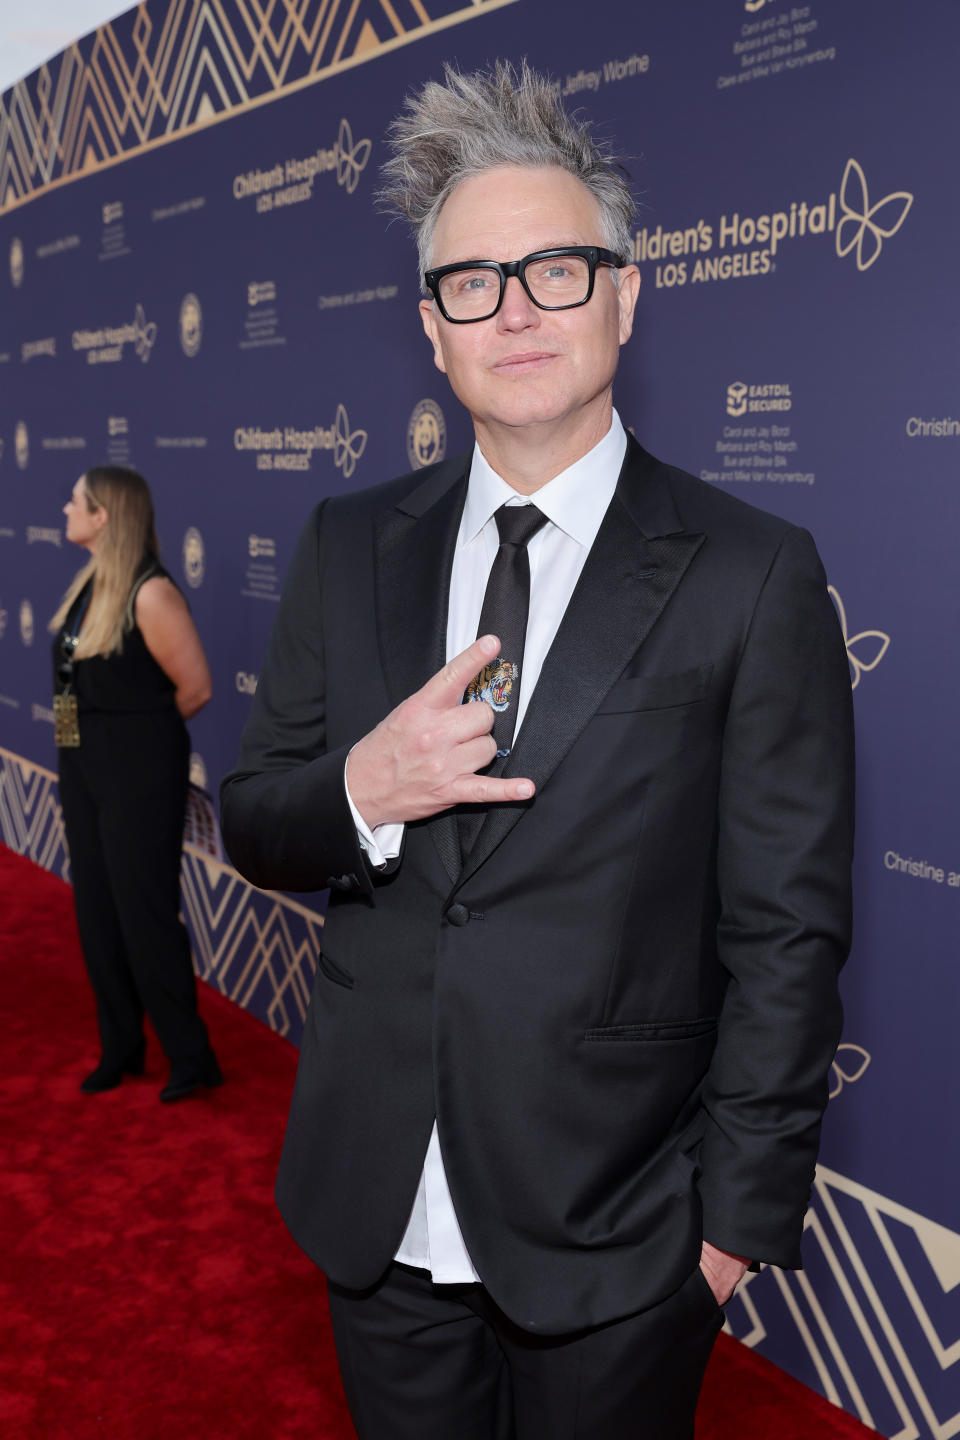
(424, 756)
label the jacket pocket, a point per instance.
(654, 1030)
(333, 971)
(656, 692)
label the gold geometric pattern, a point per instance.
(877, 1309)
(31, 822)
(257, 948)
(156, 74)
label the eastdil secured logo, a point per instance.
(261, 292)
(739, 245)
(259, 546)
(737, 398)
(117, 425)
(191, 325)
(426, 434)
(757, 398)
(26, 622)
(113, 212)
(246, 683)
(21, 444)
(16, 262)
(193, 558)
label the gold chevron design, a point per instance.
(183, 65)
(260, 949)
(257, 948)
(863, 1301)
(248, 943)
(30, 818)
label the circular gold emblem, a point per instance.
(26, 622)
(426, 434)
(21, 444)
(16, 262)
(191, 325)
(193, 558)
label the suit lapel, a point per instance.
(414, 546)
(635, 564)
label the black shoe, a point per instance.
(108, 1076)
(188, 1076)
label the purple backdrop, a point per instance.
(196, 281)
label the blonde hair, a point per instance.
(129, 535)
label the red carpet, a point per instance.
(147, 1287)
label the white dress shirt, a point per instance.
(574, 502)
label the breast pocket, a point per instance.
(657, 692)
(334, 972)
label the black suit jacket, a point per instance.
(623, 1008)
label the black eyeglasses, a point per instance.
(558, 279)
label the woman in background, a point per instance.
(130, 669)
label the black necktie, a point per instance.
(506, 604)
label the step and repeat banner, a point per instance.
(196, 281)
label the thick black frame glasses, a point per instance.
(594, 255)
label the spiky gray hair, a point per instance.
(504, 116)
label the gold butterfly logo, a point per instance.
(865, 650)
(849, 1065)
(348, 445)
(350, 158)
(864, 227)
(145, 334)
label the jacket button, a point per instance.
(458, 915)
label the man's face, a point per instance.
(526, 366)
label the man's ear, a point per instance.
(627, 291)
(428, 315)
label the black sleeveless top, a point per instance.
(129, 683)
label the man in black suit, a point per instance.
(567, 1051)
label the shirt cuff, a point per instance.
(379, 845)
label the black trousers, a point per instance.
(441, 1362)
(123, 794)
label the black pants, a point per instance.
(441, 1362)
(123, 794)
